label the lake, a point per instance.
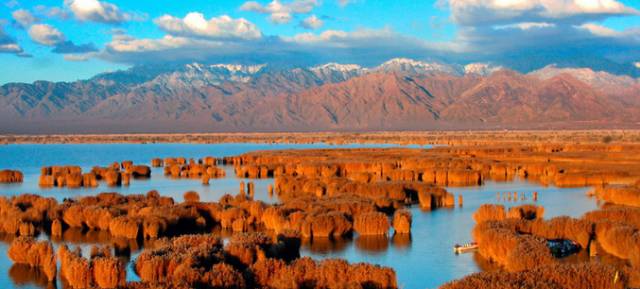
(425, 260)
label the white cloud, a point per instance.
(279, 12)
(499, 12)
(24, 18)
(599, 30)
(8, 44)
(312, 22)
(364, 46)
(10, 48)
(128, 44)
(97, 11)
(131, 50)
(537, 27)
(342, 38)
(527, 25)
(46, 34)
(327, 35)
(523, 36)
(223, 27)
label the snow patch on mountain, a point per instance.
(337, 67)
(587, 75)
(336, 72)
(199, 75)
(482, 69)
(406, 65)
(238, 68)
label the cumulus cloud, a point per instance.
(525, 34)
(507, 32)
(527, 25)
(97, 11)
(126, 44)
(8, 44)
(223, 27)
(131, 50)
(630, 34)
(364, 46)
(46, 34)
(520, 34)
(13, 48)
(312, 22)
(500, 12)
(24, 18)
(281, 13)
(357, 38)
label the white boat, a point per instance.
(459, 249)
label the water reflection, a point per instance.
(30, 159)
(401, 241)
(319, 245)
(25, 275)
(372, 244)
(426, 259)
(421, 259)
(78, 236)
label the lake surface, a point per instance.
(31, 158)
(425, 260)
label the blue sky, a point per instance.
(102, 36)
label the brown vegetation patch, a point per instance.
(25, 250)
(557, 276)
(203, 169)
(519, 243)
(247, 261)
(9, 176)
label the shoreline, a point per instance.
(451, 138)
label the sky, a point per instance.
(66, 40)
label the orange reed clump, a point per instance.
(373, 223)
(402, 222)
(25, 250)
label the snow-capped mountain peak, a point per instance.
(198, 74)
(336, 67)
(587, 75)
(480, 68)
(239, 68)
(411, 66)
(336, 72)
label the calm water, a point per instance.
(425, 260)
(30, 158)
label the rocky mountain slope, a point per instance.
(398, 94)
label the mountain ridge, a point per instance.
(398, 94)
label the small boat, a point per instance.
(459, 249)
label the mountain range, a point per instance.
(400, 94)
